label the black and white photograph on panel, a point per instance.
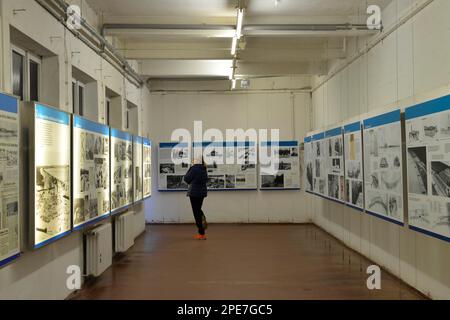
(230, 181)
(333, 186)
(417, 170)
(272, 181)
(357, 193)
(216, 182)
(441, 178)
(167, 168)
(176, 182)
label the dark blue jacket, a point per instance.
(196, 178)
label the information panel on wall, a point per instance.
(309, 165)
(121, 170)
(147, 164)
(174, 160)
(91, 186)
(230, 165)
(282, 171)
(383, 167)
(319, 153)
(138, 168)
(353, 155)
(428, 159)
(9, 179)
(334, 148)
(52, 184)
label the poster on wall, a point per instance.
(383, 167)
(309, 165)
(174, 160)
(230, 165)
(147, 166)
(138, 168)
(52, 184)
(284, 172)
(428, 160)
(334, 149)
(121, 170)
(91, 187)
(353, 154)
(9, 179)
(319, 154)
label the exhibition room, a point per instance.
(225, 150)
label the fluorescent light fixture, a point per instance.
(233, 84)
(234, 46)
(240, 21)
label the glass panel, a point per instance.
(34, 81)
(18, 74)
(80, 100)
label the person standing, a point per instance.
(197, 178)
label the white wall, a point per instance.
(410, 66)
(284, 110)
(41, 274)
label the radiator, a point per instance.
(139, 223)
(98, 250)
(125, 231)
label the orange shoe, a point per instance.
(200, 237)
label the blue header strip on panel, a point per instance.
(318, 137)
(308, 139)
(391, 117)
(279, 143)
(81, 123)
(50, 114)
(9, 259)
(147, 142)
(138, 140)
(354, 127)
(333, 132)
(8, 103)
(426, 108)
(170, 145)
(121, 135)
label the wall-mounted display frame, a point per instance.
(121, 171)
(308, 165)
(138, 170)
(147, 167)
(171, 175)
(49, 151)
(91, 172)
(334, 166)
(284, 174)
(319, 153)
(10, 161)
(428, 165)
(383, 167)
(231, 165)
(354, 170)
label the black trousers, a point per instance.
(197, 204)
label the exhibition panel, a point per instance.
(50, 178)
(334, 165)
(353, 155)
(147, 166)
(91, 168)
(9, 179)
(284, 173)
(138, 168)
(173, 162)
(121, 170)
(309, 165)
(230, 165)
(320, 165)
(428, 163)
(383, 173)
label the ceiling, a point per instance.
(280, 37)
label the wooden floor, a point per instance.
(273, 262)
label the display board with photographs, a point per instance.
(334, 148)
(428, 159)
(309, 165)
(319, 154)
(353, 155)
(138, 168)
(91, 184)
(383, 163)
(174, 160)
(52, 178)
(147, 164)
(230, 165)
(121, 170)
(279, 165)
(9, 179)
